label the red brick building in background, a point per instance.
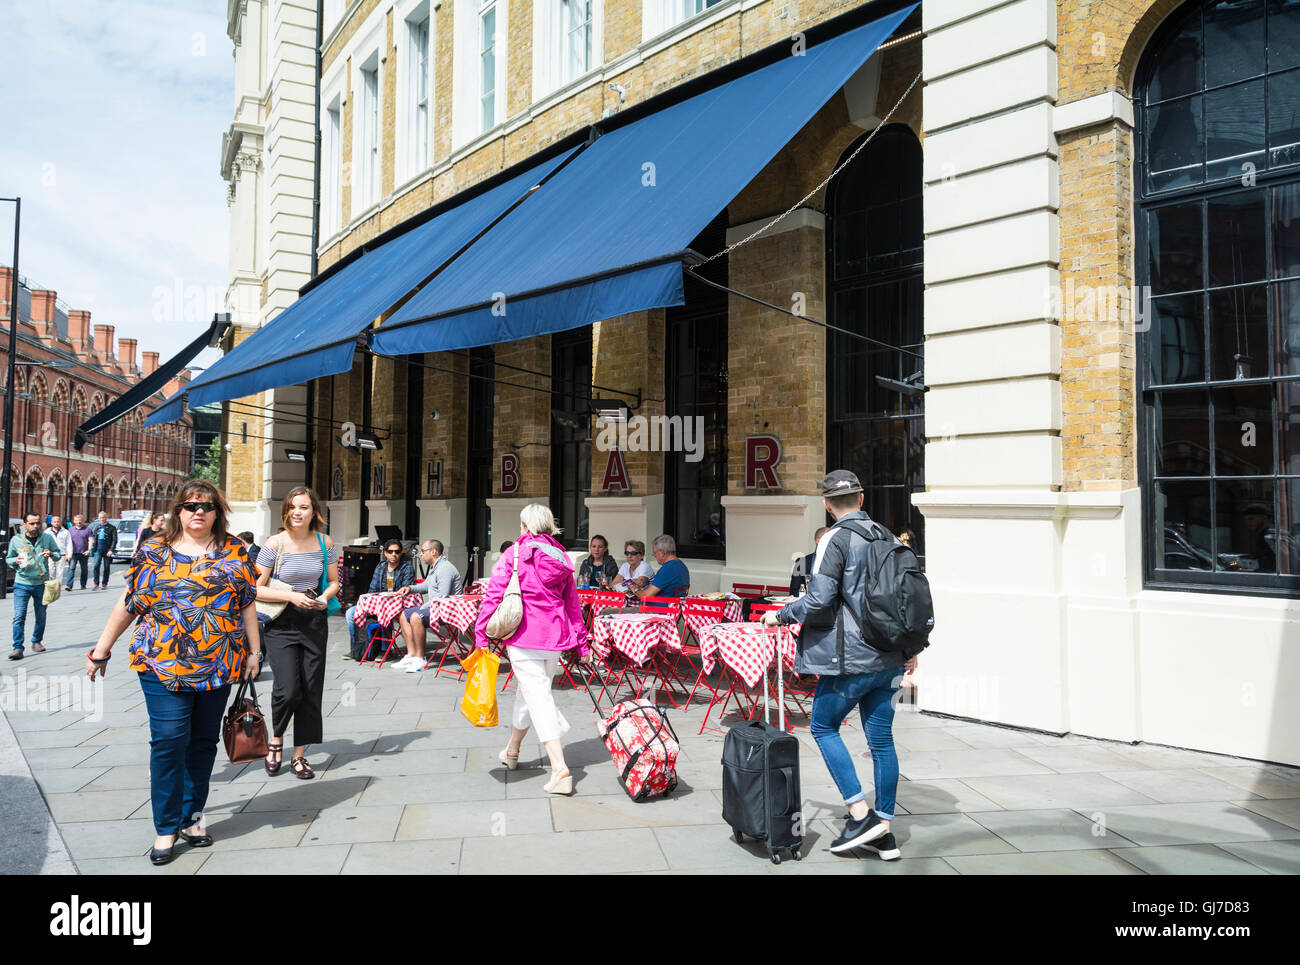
(65, 372)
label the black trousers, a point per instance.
(295, 644)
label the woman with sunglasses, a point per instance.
(635, 573)
(295, 640)
(192, 588)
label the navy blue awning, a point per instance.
(606, 236)
(316, 335)
(152, 383)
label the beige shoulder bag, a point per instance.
(509, 613)
(271, 609)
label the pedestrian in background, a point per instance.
(295, 640)
(552, 623)
(599, 568)
(155, 527)
(442, 580)
(31, 555)
(186, 665)
(64, 540)
(79, 534)
(103, 537)
(804, 566)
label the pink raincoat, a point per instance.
(552, 612)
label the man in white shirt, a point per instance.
(443, 580)
(63, 537)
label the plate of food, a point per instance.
(712, 596)
(781, 599)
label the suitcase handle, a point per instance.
(775, 632)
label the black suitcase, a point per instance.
(760, 781)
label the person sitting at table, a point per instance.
(390, 576)
(636, 572)
(803, 567)
(442, 580)
(673, 579)
(598, 569)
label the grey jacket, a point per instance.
(831, 642)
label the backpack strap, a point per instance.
(853, 526)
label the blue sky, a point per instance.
(112, 136)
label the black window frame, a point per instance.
(1149, 393)
(571, 448)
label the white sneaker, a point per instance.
(401, 664)
(415, 666)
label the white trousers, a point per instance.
(534, 702)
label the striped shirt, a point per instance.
(302, 571)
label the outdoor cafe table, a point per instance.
(635, 635)
(384, 607)
(747, 648)
(459, 611)
(697, 621)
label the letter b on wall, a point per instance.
(509, 473)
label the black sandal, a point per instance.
(273, 767)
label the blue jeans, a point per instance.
(184, 726)
(78, 559)
(873, 695)
(105, 560)
(23, 593)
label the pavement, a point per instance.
(405, 785)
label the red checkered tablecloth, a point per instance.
(635, 634)
(384, 607)
(746, 648)
(460, 611)
(698, 621)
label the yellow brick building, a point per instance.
(1071, 221)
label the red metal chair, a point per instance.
(776, 590)
(594, 600)
(704, 612)
(378, 634)
(747, 590)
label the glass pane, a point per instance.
(1182, 427)
(1234, 41)
(1234, 130)
(1245, 537)
(1286, 328)
(1175, 244)
(1288, 428)
(1177, 64)
(1284, 118)
(1178, 322)
(1175, 144)
(1286, 230)
(1237, 227)
(1287, 532)
(1283, 33)
(1239, 333)
(1243, 431)
(1181, 518)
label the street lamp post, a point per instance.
(9, 401)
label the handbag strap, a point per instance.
(36, 556)
(324, 564)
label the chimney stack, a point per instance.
(104, 345)
(6, 289)
(150, 364)
(43, 313)
(79, 332)
(126, 348)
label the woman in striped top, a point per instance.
(295, 640)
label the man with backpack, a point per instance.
(866, 615)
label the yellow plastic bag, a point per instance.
(479, 705)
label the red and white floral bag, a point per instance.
(644, 747)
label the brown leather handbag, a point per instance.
(244, 727)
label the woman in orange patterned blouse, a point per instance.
(193, 588)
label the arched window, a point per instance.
(1218, 253)
(874, 285)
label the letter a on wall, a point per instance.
(509, 473)
(762, 453)
(615, 473)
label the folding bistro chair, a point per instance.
(776, 590)
(714, 611)
(750, 591)
(377, 634)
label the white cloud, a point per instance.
(112, 140)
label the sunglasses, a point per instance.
(199, 507)
(632, 553)
(392, 551)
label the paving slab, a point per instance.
(563, 852)
(187, 862)
(56, 780)
(1037, 791)
(599, 812)
(928, 765)
(930, 739)
(1187, 859)
(1070, 759)
(945, 835)
(441, 761)
(69, 736)
(1054, 829)
(52, 757)
(1044, 863)
(1286, 810)
(404, 858)
(352, 825)
(1260, 780)
(1179, 787)
(120, 778)
(278, 795)
(474, 819)
(259, 830)
(704, 846)
(101, 806)
(108, 839)
(323, 860)
(1211, 823)
(944, 796)
(112, 755)
(1276, 857)
(433, 788)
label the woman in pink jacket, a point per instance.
(552, 623)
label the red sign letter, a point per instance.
(509, 473)
(762, 453)
(615, 473)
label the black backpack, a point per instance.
(898, 612)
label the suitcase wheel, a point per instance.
(776, 858)
(796, 854)
(737, 836)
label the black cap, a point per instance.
(840, 482)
